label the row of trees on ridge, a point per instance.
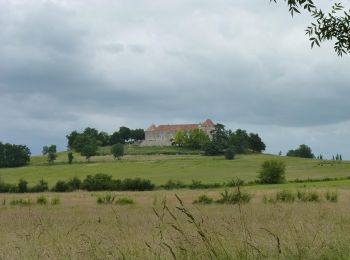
(221, 141)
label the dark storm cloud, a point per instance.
(66, 65)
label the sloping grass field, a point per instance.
(160, 226)
(160, 168)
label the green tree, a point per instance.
(91, 132)
(115, 138)
(70, 157)
(180, 138)
(89, 149)
(81, 140)
(303, 151)
(51, 152)
(137, 134)
(272, 172)
(103, 138)
(327, 26)
(219, 141)
(255, 143)
(117, 150)
(71, 139)
(12, 155)
(124, 133)
(240, 140)
(196, 139)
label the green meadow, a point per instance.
(162, 164)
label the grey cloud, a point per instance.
(68, 65)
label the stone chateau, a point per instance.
(163, 135)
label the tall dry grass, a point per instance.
(162, 226)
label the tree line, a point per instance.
(221, 141)
(87, 142)
(12, 155)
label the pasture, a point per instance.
(159, 168)
(153, 228)
(158, 225)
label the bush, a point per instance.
(196, 185)
(235, 183)
(41, 200)
(70, 157)
(230, 153)
(22, 186)
(55, 201)
(170, 185)
(272, 172)
(21, 202)
(308, 196)
(203, 199)
(74, 183)
(61, 186)
(117, 151)
(332, 196)
(137, 184)
(40, 187)
(101, 181)
(289, 196)
(234, 197)
(107, 198)
(5, 187)
(97, 182)
(125, 201)
(285, 196)
(64, 186)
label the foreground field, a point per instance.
(161, 168)
(154, 228)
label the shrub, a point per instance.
(21, 202)
(203, 199)
(70, 157)
(97, 182)
(125, 201)
(74, 183)
(107, 198)
(272, 171)
(40, 187)
(117, 151)
(41, 200)
(332, 196)
(308, 196)
(137, 184)
(105, 182)
(313, 196)
(170, 185)
(61, 186)
(234, 197)
(285, 196)
(235, 183)
(5, 187)
(230, 153)
(55, 201)
(22, 186)
(196, 185)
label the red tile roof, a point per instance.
(184, 127)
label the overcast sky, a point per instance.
(66, 65)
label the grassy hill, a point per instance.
(149, 163)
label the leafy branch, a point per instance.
(334, 25)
